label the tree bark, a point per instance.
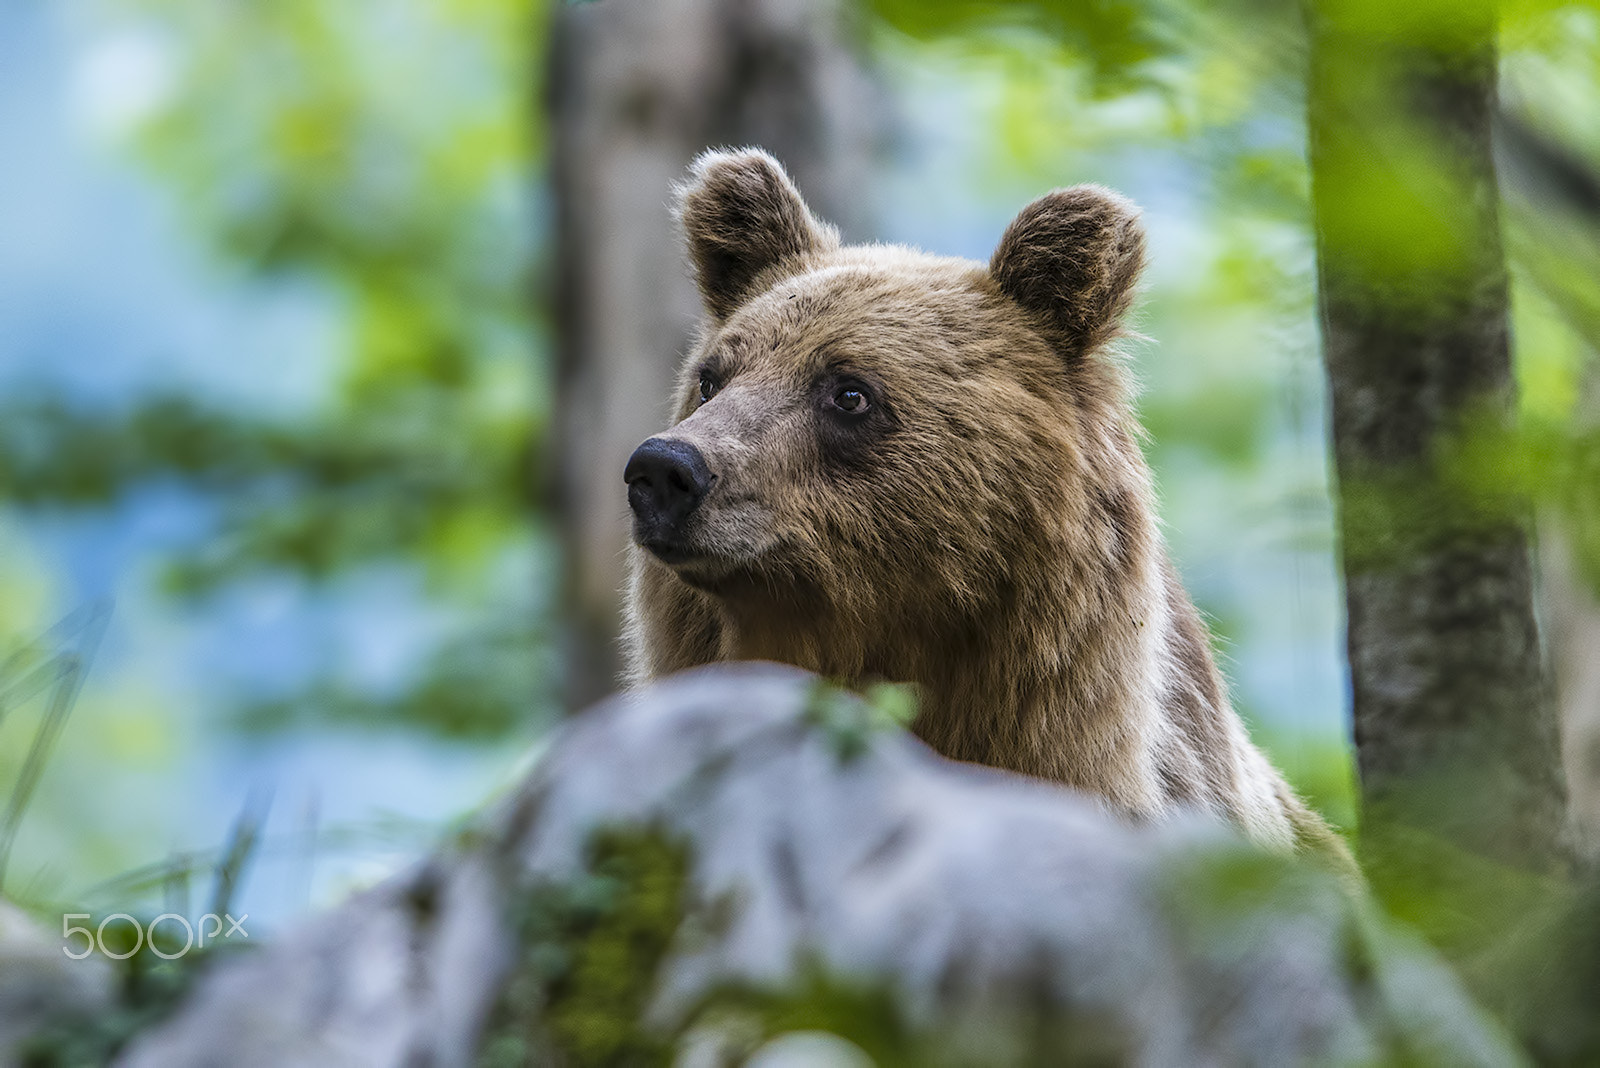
(636, 89)
(1454, 715)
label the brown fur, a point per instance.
(985, 532)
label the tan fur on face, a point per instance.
(986, 532)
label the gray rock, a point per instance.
(39, 983)
(1008, 917)
(808, 1049)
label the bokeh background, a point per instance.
(324, 329)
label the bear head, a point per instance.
(869, 437)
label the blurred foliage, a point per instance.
(1528, 947)
(388, 152)
(849, 725)
(309, 497)
(1549, 983)
(1486, 475)
(1120, 39)
(42, 669)
(1206, 81)
(1319, 769)
(400, 178)
(475, 686)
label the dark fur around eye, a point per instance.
(710, 383)
(851, 419)
(847, 396)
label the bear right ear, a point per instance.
(1072, 258)
(743, 217)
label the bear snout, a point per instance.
(666, 480)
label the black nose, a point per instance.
(666, 481)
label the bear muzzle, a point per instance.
(667, 480)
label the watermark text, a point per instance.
(82, 941)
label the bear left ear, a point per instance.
(743, 217)
(1072, 258)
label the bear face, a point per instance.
(874, 440)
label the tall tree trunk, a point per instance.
(1455, 719)
(637, 88)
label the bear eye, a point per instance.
(852, 398)
(709, 385)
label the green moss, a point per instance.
(590, 953)
(859, 1011)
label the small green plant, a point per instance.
(850, 720)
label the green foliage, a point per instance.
(313, 499)
(400, 175)
(400, 178)
(482, 685)
(863, 1012)
(1120, 39)
(1527, 947)
(1547, 982)
(1074, 81)
(319, 501)
(601, 995)
(58, 673)
(153, 967)
(849, 722)
(1219, 896)
(299, 144)
(1463, 903)
(1319, 768)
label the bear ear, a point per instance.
(1072, 258)
(743, 217)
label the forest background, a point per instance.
(287, 383)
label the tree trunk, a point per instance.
(1455, 721)
(637, 88)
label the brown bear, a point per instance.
(891, 465)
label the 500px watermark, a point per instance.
(94, 938)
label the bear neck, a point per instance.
(1062, 684)
(1057, 676)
